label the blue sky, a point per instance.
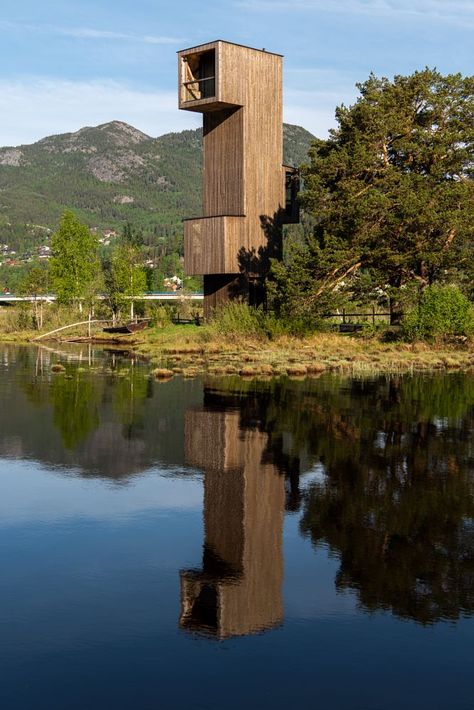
(65, 64)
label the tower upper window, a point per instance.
(199, 76)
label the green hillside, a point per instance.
(108, 175)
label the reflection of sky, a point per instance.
(309, 580)
(90, 601)
(31, 494)
(88, 559)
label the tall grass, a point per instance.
(237, 319)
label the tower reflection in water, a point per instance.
(238, 590)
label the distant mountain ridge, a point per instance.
(110, 174)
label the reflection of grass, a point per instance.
(162, 373)
(58, 368)
(201, 350)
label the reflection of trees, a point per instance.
(75, 403)
(128, 401)
(111, 420)
(35, 390)
(79, 398)
(397, 505)
(397, 502)
(404, 544)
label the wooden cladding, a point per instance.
(212, 244)
(243, 176)
(223, 167)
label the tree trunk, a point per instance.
(395, 312)
(394, 303)
(37, 325)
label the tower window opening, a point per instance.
(199, 76)
(292, 188)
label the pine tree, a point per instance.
(391, 190)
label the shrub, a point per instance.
(238, 318)
(442, 312)
(161, 316)
(17, 318)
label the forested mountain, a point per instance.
(108, 175)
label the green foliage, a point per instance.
(161, 316)
(237, 318)
(391, 192)
(36, 284)
(75, 263)
(35, 281)
(18, 319)
(11, 278)
(124, 276)
(442, 312)
(130, 276)
(291, 285)
(132, 237)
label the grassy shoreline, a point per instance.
(190, 350)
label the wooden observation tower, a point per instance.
(247, 193)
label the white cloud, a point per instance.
(91, 33)
(460, 12)
(33, 108)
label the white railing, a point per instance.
(167, 296)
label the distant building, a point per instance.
(174, 283)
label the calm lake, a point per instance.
(221, 543)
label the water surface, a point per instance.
(220, 543)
